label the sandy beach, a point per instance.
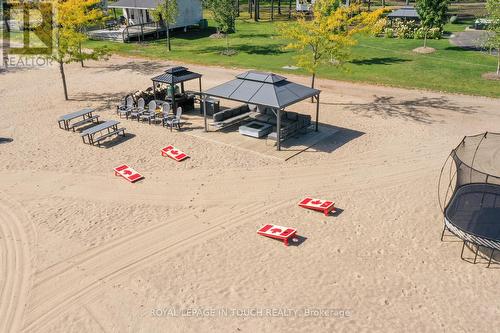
(84, 251)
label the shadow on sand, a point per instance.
(138, 66)
(339, 137)
(104, 101)
(411, 109)
(117, 140)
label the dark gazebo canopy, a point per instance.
(267, 90)
(407, 13)
(175, 75)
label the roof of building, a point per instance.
(137, 4)
(405, 12)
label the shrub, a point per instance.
(405, 30)
(388, 32)
(433, 33)
(419, 33)
(409, 30)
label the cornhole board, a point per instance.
(128, 173)
(324, 206)
(277, 232)
(174, 153)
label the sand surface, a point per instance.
(84, 251)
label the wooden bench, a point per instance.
(84, 121)
(107, 135)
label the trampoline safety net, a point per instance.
(471, 200)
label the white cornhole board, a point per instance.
(174, 153)
(325, 206)
(277, 232)
(128, 173)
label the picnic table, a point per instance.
(85, 114)
(109, 128)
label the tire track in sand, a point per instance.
(84, 275)
(15, 269)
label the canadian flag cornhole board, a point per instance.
(128, 173)
(324, 206)
(174, 153)
(277, 232)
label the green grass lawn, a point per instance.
(374, 60)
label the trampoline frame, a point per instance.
(467, 237)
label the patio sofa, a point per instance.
(291, 122)
(229, 117)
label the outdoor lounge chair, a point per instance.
(165, 110)
(126, 107)
(137, 111)
(176, 121)
(150, 114)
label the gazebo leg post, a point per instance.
(477, 250)
(173, 98)
(278, 129)
(317, 112)
(462, 254)
(442, 234)
(199, 82)
(204, 101)
(491, 256)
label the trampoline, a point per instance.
(469, 192)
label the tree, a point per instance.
(432, 15)
(80, 14)
(167, 13)
(328, 37)
(68, 39)
(493, 42)
(224, 14)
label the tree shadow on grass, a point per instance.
(255, 35)
(471, 48)
(195, 34)
(411, 109)
(379, 61)
(462, 48)
(248, 49)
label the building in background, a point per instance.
(139, 11)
